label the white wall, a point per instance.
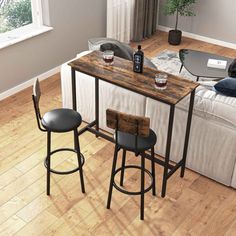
(214, 19)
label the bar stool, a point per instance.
(59, 121)
(132, 133)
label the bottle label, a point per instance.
(137, 63)
(137, 68)
(137, 59)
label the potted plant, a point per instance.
(177, 7)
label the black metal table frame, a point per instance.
(169, 169)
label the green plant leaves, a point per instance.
(183, 7)
(15, 14)
(179, 7)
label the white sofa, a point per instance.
(212, 143)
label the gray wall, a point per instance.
(214, 19)
(74, 21)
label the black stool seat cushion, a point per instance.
(127, 141)
(61, 120)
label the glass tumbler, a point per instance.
(108, 57)
(161, 81)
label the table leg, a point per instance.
(187, 132)
(73, 80)
(168, 146)
(181, 68)
(97, 104)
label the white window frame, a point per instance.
(28, 31)
(36, 7)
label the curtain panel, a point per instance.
(145, 19)
(120, 15)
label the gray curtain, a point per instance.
(145, 19)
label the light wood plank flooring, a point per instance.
(194, 205)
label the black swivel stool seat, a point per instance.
(59, 121)
(132, 133)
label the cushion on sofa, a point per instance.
(118, 50)
(212, 106)
(227, 86)
(232, 69)
(96, 43)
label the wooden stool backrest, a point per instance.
(36, 97)
(137, 125)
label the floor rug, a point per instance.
(169, 61)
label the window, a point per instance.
(19, 20)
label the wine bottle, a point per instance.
(138, 60)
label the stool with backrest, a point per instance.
(132, 133)
(59, 121)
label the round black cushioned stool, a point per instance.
(58, 121)
(132, 133)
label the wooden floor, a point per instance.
(194, 205)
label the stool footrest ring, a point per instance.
(129, 192)
(64, 172)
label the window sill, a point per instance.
(12, 38)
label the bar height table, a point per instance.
(121, 74)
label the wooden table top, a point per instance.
(121, 74)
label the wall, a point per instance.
(74, 21)
(214, 19)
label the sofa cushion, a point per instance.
(232, 69)
(95, 44)
(227, 86)
(118, 50)
(212, 106)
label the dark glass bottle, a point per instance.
(138, 60)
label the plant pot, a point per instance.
(174, 37)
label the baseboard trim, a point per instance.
(201, 38)
(28, 83)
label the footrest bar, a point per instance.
(69, 171)
(129, 192)
(176, 167)
(158, 161)
(105, 136)
(84, 129)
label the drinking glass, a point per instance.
(108, 57)
(161, 81)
